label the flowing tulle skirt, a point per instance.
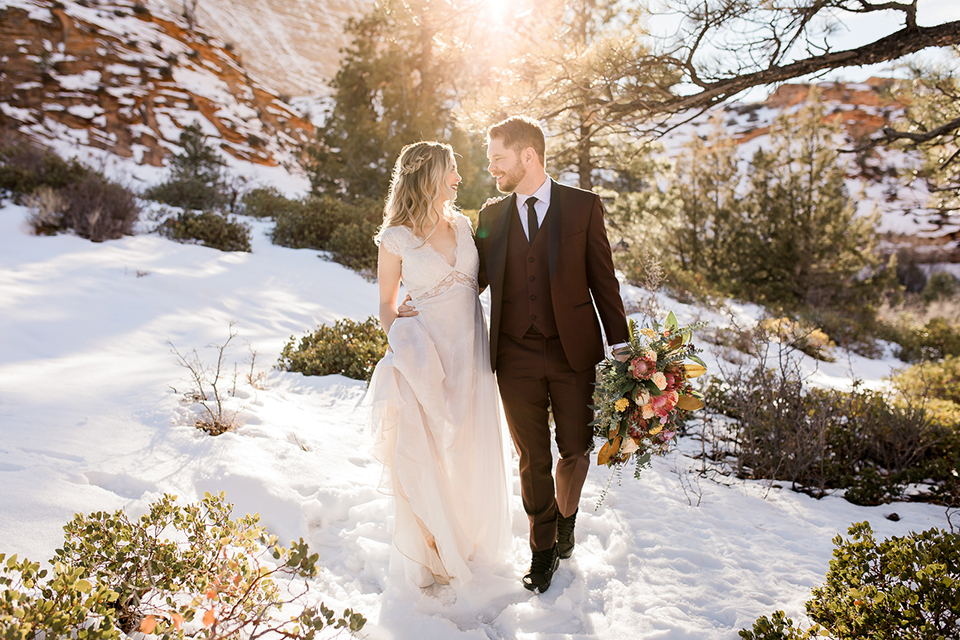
(436, 420)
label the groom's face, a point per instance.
(505, 166)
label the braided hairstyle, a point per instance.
(417, 188)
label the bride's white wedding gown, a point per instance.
(437, 419)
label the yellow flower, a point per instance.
(621, 404)
(655, 429)
(648, 332)
(647, 411)
(660, 380)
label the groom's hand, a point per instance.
(491, 201)
(406, 310)
(621, 353)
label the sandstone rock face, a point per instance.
(292, 45)
(123, 78)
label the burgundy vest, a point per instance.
(526, 284)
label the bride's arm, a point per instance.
(388, 276)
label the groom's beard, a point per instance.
(511, 178)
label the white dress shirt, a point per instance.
(540, 206)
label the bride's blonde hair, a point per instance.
(417, 184)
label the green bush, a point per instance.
(905, 587)
(267, 202)
(172, 566)
(343, 229)
(67, 605)
(352, 246)
(25, 167)
(197, 179)
(209, 228)
(937, 339)
(940, 285)
(349, 348)
(311, 225)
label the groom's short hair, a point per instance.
(518, 133)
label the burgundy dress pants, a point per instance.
(533, 375)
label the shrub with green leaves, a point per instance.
(175, 571)
(25, 167)
(343, 229)
(349, 348)
(208, 228)
(267, 202)
(940, 285)
(938, 338)
(902, 587)
(63, 606)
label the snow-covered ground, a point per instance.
(90, 419)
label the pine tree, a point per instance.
(395, 86)
(802, 241)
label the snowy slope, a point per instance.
(89, 420)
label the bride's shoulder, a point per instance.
(395, 238)
(462, 220)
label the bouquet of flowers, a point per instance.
(639, 402)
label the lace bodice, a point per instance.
(424, 270)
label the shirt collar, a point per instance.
(542, 194)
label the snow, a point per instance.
(89, 80)
(87, 111)
(91, 419)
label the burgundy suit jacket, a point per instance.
(582, 279)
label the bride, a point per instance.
(434, 398)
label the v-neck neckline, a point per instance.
(456, 246)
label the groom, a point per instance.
(545, 255)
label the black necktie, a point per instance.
(531, 219)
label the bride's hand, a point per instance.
(491, 201)
(406, 310)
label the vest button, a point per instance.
(530, 259)
(533, 317)
(533, 297)
(532, 278)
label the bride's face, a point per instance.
(450, 184)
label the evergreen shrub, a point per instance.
(208, 228)
(936, 339)
(25, 167)
(940, 285)
(343, 229)
(267, 202)
(902, 587)
(352, 245)
(197, 179)
(348, 348)
(311, 225)
(176, 569)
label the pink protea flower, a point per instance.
(644, 366)
(663, 405)
(674, 379)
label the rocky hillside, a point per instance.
(126, 78)
(292, 45)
